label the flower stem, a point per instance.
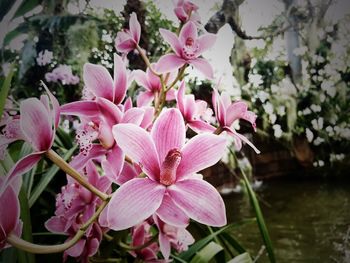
(48, 249)
(146, 60)
(218, 130)
(54, 157)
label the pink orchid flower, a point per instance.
(227, 113)
(152, 84)
(9, 220)
(99, 83)
(74, 206)
(10, 133)
(185, 10)
(172, 236)
(170, 186)
(187, 47)
(127, 40)
(140, 235)
(192, 110)
(38, 122)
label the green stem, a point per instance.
(54, 157)
(146, 60)
(47, 249)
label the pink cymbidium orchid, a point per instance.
(128, 39)
(192, 110)
(227, 113)
(186, 10)
(152, 84)
(172, 236)
(171, 185)
(141, 234)
(74, 206)
(38, 123)
(10, 222)
(187, 47)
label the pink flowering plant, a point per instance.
(135, 188)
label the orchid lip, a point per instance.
(169, 167)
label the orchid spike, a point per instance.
(128, 39)
(227, 113)
(192, 110)
(170, 165)
(187, 47)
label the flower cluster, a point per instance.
(63, 74)
(143, 151)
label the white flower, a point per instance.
(320, 163)
(277, 130)
(309, 135)
(268, 108)
(262, 95)
(317, 124)
(272, 118)
(315, 108)
(281, 110)
(44, 57)
(330, 131)
(255, 79)
(318, 141)
(300, 51)
(306, 111)
(328, 86)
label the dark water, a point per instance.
(308, 220)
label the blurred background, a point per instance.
(289, 59)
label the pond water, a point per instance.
(308, 220)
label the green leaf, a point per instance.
(25, 257)
(47, 177)
(201, 243)
(5, 89)
(243, 258)
(5, 6)
(207, 253)
(233, 243)
(260, 218)
(21, 29)
(25, 7)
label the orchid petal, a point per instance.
(189, 30)
(36, 124)
(133, 115)
(22, 166)
(114, 163)
(80, 108)
(138, 145)
(55, 106)
(171, 214)
(164, 245)
(144, 98)
(168, 132)
(9, 218)
(209, 208)
(133, 202)
(241, 138)
(77, 249)
(98, 80)
(56, 224)
(200, 126)
(205, 42)
(141, 79)
(200, 152)
(95, 153)
(219, 108)
(110, 112)
(170, 62)
(180, 98)
(134, 27)
(147, 117)
(172, 39)
(203, 66)
(235, 111)
(120, 79)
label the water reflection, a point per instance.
(309, 221)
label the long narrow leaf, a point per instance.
(259, 216)
(5, 89)
(46, 179)
(25, 257)
(207, 253)
(233, 242)
(243, 258)
(187, 255)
